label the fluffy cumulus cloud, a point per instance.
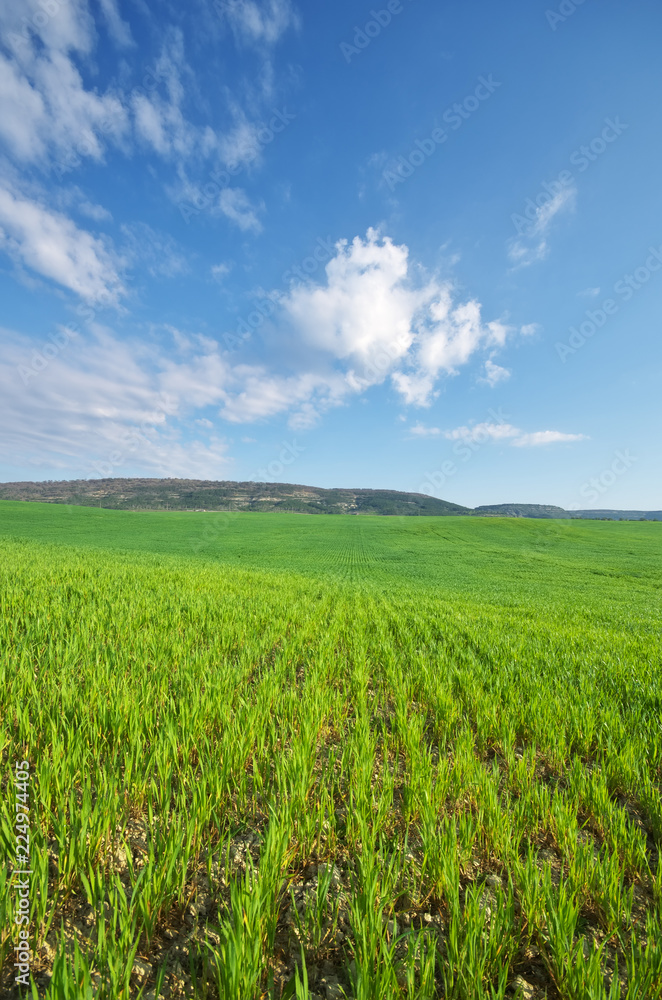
(370, 320)
(450, 335)
(378, 321)
(494, 374)
(363, 314)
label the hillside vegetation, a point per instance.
(192, 494)
(200, 495)
(324, 757)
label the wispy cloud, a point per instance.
(118, 29)
(420, 430)
(48, 114)
(532, 245)
(235, 204)
(109, 406)
(52, 245)
(372, 318)
(538, 438)
(259, 24)
(220, 271)
(481, 433)
(156, 252)
(95, 212)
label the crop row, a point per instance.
(264, 785)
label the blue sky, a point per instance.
(414, 245)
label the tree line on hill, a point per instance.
(209, 495)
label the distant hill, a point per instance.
(200, 494)
(620, 515)
(520, 510)
(193, 494)
(546, 510)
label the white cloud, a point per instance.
(220, 271)
(374, 319)
(363, 314)
(104, 406)
(23, 110)
(589, 293)
(53, 246)
(494, 374)
(236, 205)
(538, 438)
(257, 394)
(259, 24)
(240, 145)
(416, 390)
(159, 118)
(118, 29)
(150, 123)
(529, 329)
(69, 27)
(157, 252)
(51, 119)
(370, 319)
(447, 337)
(481, 433)
(96, 212)
(48, 115)
(531, 245)
(420, 430)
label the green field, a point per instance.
(276, 755)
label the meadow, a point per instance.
(279, 755)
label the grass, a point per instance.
(281, 756)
